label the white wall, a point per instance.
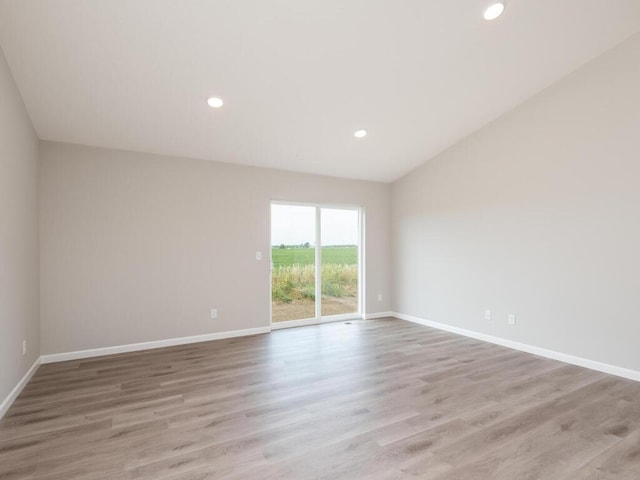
(138, 247)
(537, 214)
(19, 298)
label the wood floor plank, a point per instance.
(376, 399)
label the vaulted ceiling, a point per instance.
(298, 77)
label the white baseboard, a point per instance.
(371, 316)
(13, 394)
(135, 347)
(542, 352)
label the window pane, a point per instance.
(293, 284)
(339, 235)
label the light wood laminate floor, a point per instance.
(376, 399)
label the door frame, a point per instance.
(318, 319)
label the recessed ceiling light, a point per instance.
(215, 102)
(360, 133)
(493, 11)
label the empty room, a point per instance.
(302, 239)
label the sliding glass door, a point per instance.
(293, 260)
(304, 237)
(339, 260)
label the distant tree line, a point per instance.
(282, 246)
(302, 245)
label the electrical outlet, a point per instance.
(24, 347)
(379, 297)
(511, 319)
(487, 315)
(214, 313)
(258, 255)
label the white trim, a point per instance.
(523, 347)
(543, 352)
(135, 347)
(340, 317)
(314, 321)
(13, 394)
(371, 316)
(318, 265)
(294, 323)
(362, 264)
(336, 206)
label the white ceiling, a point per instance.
(298, 77)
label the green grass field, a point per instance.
(306, 256)
(293, 277)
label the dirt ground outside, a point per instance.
(297, 310)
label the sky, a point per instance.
(295, 225)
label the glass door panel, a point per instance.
(293, 257)
(339, 232)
